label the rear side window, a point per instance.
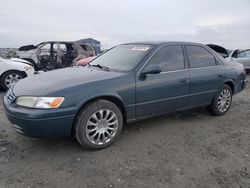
(199, 57)
(169, 58)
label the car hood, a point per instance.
(219, 49)
(14, 61)
(55, 81)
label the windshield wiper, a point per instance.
(101, 67)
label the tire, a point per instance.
(92, 131)
(10, 78)
(222, 101)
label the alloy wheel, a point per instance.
(12, 79)
(224, 100)
(102, 126)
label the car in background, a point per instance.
(241, 56)
(85, 61)
(13, 70)
(128, 83)
(54, 54)
(219, 49)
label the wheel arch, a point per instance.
(22, 72)
(114, 99)
(230, 84)
(11, 70)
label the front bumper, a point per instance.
(40, 123)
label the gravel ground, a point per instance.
(187, 149)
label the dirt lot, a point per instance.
(187, 149)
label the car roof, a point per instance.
(163, 42)
(56, 42)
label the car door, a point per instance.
(243, 57)
(166, 91)
(206, 75)
(46, 54)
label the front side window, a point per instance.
(244, 54)
(45, 49)
(169, 58)
(199, 57)
(122, 57)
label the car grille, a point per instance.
(10, 96)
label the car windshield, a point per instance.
(122, 57)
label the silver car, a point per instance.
(241, 56)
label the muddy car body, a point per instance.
(54, 54)
(128, 83)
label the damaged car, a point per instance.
(241, 56)
(13, 70)
(85, 61)
(55, 54)
(219, 49)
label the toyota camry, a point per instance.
(127, 83)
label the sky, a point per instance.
(222, 22)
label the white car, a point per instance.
(12, 70)
(241, 56)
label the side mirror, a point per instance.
(152, 69)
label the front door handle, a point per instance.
(184, 80)
(220, 75)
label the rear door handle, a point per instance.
(184, 80)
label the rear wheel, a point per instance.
(98, 125)
(10, 78)
(222, 101)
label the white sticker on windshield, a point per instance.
(140, 48)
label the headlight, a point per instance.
(40, 102)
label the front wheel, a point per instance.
(10, 78)
(98, 125)
(222, 101)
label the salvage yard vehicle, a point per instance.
(219, 49)
(13, 70)
(241, 56)
(85, 61)
(54, 54)
(128, 83)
